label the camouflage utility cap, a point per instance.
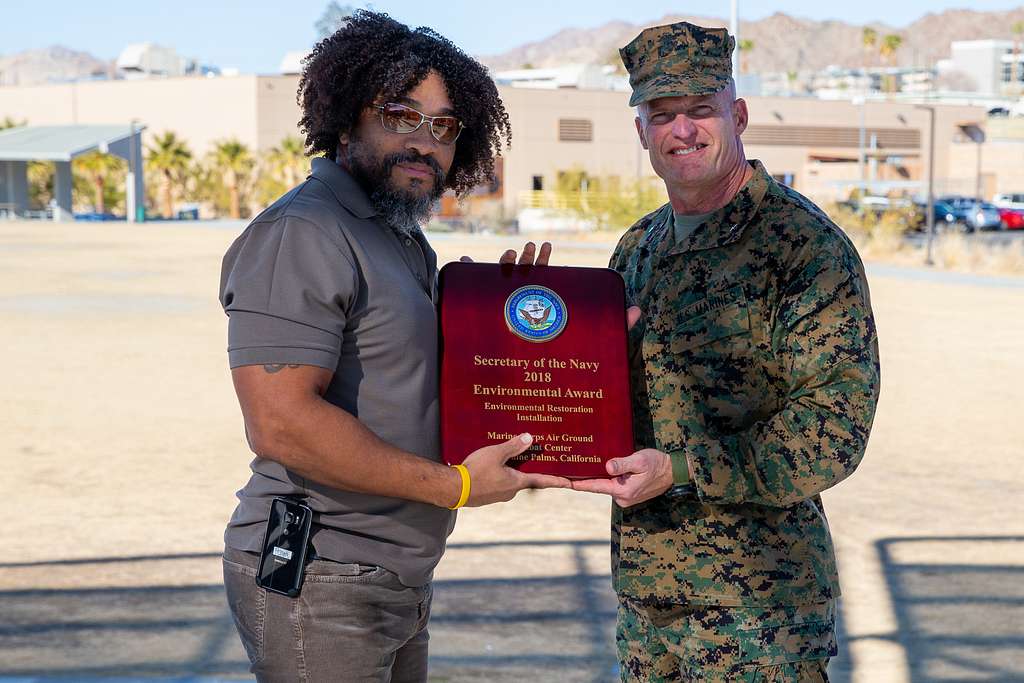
(677, 60)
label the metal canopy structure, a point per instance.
(61, 144)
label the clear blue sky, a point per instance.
(253, 36)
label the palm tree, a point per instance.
(38, 173)
(745, 46)
(98, 168)
(887, 51)
(232, 160)
(791, 77)
(170, 157)
(890, 44)
(288, 160)
(40, 183)
(868, 40)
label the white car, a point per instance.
(1009, 200)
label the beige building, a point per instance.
(811, 144)
(258, 110)
(1001, 156)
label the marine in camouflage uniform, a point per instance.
(755, 372)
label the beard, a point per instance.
(402, 208)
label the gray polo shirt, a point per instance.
(318, 279)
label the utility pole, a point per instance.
(974, 133)
(873, 161)
(861, 102)
(977, 177)
(930, 208)
(734, 29)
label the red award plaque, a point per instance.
(538, 349)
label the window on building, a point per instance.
(538, 183)
(575, 130)
(1009, 74)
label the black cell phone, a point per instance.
(283, 558)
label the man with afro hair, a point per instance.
(332, 342)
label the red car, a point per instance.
(1013, 219)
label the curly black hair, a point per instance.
(373, 56)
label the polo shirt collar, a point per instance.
(343, 186)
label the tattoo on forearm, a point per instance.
(278, 367)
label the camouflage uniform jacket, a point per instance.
(756, 361)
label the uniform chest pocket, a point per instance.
(719, 316)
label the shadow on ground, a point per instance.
(147, 631)
(958, 620)
(538, 628)
(960, 616)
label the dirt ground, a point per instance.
(121, 447)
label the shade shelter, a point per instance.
(61, 144)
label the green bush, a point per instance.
(609, 202)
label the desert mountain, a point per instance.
(781, 42)
(50, 64)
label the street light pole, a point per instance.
(930, 209)
(861, 102)
(734, 29)
(974, 132)
(977, 176)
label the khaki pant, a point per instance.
(783, 644)
(351, 622)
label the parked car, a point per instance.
(977, 215)
(908, 214)
(1013, 219)
(868, 204)
(95, 216)
(947, 218)
(1009, 200)
(985, 216)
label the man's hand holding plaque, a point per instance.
(537, 349)
(637, 477)
(492, 482)
(633, 479)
